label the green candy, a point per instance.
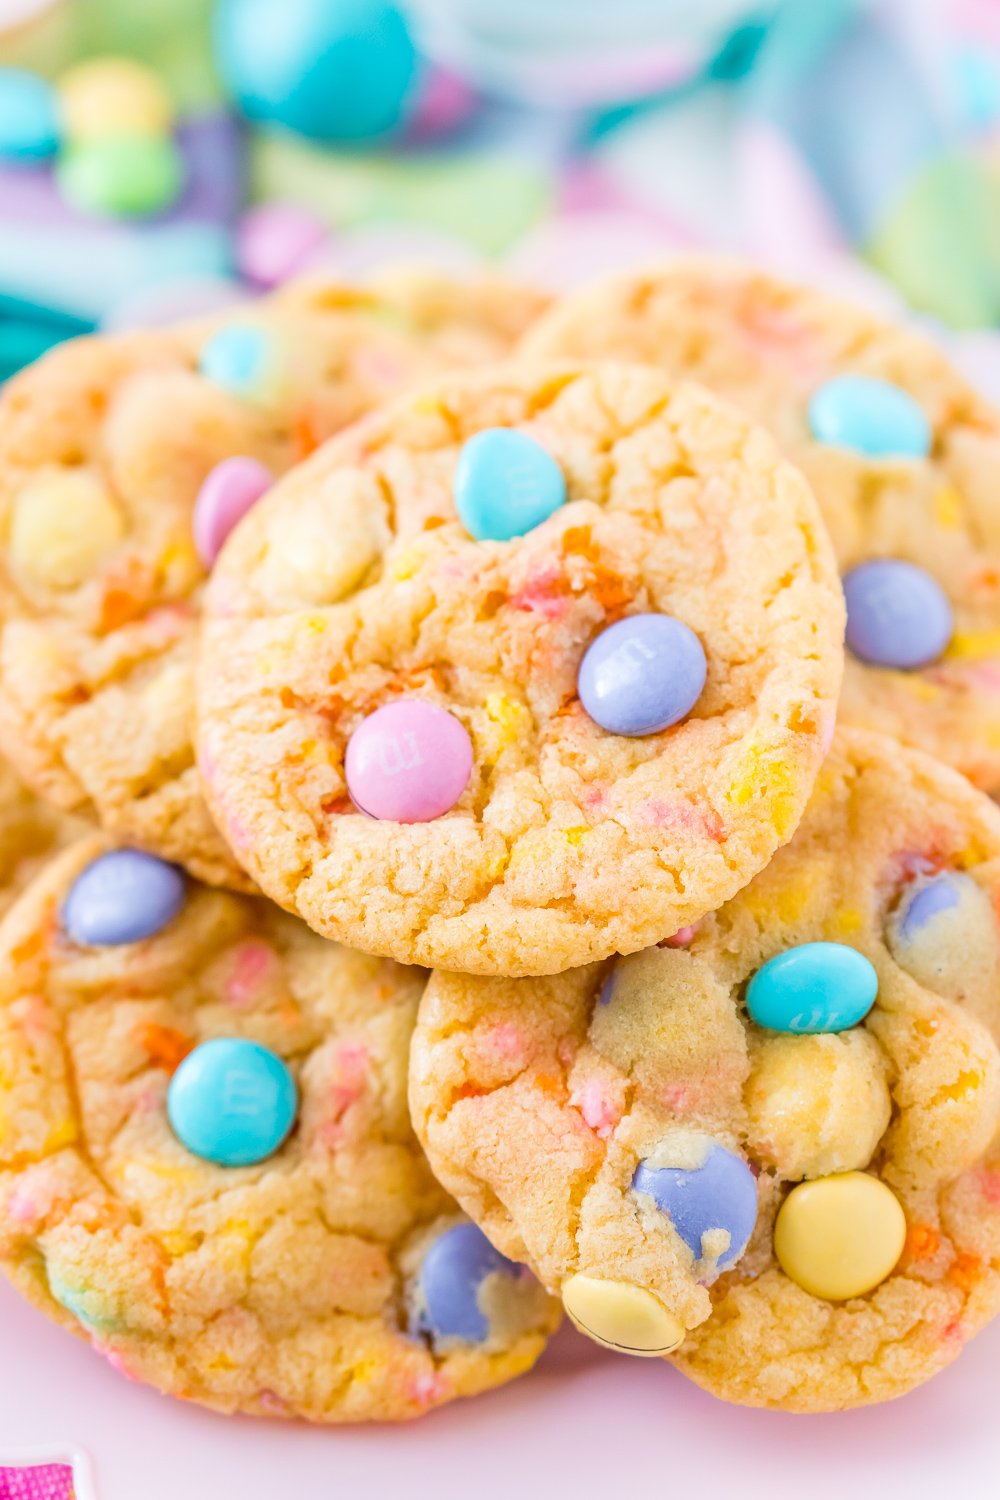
(128, 177)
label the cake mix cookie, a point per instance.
(768, 1147)
(123, 462)
(531, 667)
(30, 831)
(902, 456)
(207, 1167)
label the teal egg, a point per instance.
(506, 484)
(29, 117)
(232, 1102)
(814, 987)
(874, 417)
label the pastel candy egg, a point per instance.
(331, 72)
(708, 1193)
(506, 484)
(944, 933)
(229, 491)
(274, 240)
(816, 1104)
(621, 1316)
(113, 96)
(232, 1102)
(897, 614)
(642, 674)
(63, 524)
(812, 987)
(244, 360)
(840, 1236)
(124, 176)
(29, 117)
(122, 897)
(456, 1287)
(408, 762)
(871, 416)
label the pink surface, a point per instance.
(586, 1424)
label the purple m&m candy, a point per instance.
(229, 491)
(642, 674)
(408, 762)
(274, 240)
(897, 614)
(448, 1302)
(123, 897)
(711, 1189)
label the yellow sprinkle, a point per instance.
(918, 687)
(948, 508)
(973, 645)
(63, 1134)
(406, 563)
(844, 921)
(575, 835)
(64, 523)
(179, 553)
(316, 623)
(178, 1242)
(768, 776)
(177, 1175)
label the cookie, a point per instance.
(769, 1146)
(123, 460)
(206, 1163)
(533, 666)
(30, 831)
(902, 455)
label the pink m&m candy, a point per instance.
(408, 762)
(227, 494)
(274, 240)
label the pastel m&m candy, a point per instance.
(945, 934)
(871, 416)
(29, 117)
(232, 1102)
(506, 484)
(274, 240)
(709, 1194)
(642, 674)
(812, 987)
(840, 1236)
(113, 96)
(229, 491)
(122, 897)
(408, 762)
(451, 1301)
(897, 614)
(621, 1316)
(124, 176)
(243, 359)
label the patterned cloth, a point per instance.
(39, 1482)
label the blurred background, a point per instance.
(160, 158)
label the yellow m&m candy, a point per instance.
(621, 1316)
(838, 1237)
(113, 96)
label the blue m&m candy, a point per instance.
(123, 897)
(897, 614)
(448, 1302)
(232, 1101)
(241, 358)
(871, 416)
(811, 988)
(718, 1192)
(29, 118)
(642, 674)
(506, 484)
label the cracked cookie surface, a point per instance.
(538, 1099)
(104, 445)
(285, 1288)
(768, 345)
(30, 831)
(354, 585)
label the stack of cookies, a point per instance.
(444, 899)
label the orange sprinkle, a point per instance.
(467, 1091)
(922, 1242)
(965, 1270)
(304, 434)
(165, 1047)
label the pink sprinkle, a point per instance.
(988, 1183)
(566, 1050)
(252, 962)
(678, 1098)
(507, 1042)
(271, 1401)
(600, 1111)
(350, 1072)
(429, 1387)
(681, 938)
(953, 1333)
(595, 796)
(699, 822)
(377, 368)
(544, 594)
(827, 733)
(22, 1209)
(116, 1361)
